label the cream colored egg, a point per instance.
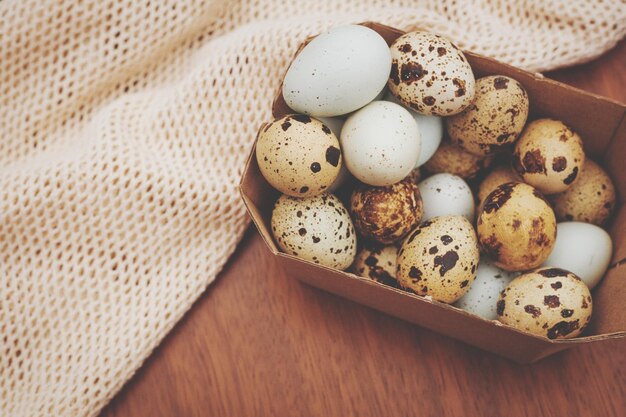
(318, 229)
(590, 199)
(456, 160)
(548, 155)
(495, 118)
(386, 214)
(497, 176)
(439, 259)
(430, 74)
(377, 263)
(298, 155)
(516, 227)
(548, 302)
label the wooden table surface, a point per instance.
(259, 343)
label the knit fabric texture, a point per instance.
(124, 128)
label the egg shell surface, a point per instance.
(548, 155)
(380, 143)
(494, 119)
(439, 258)
(318, 229)
(431, 131)
(549, 302)
(386, 214)
(485, 291)
(430, 74)
(582, 248)
(516, 227)
(591, 198)
(456, 160)
(446, 194)
(377, 263)
(338, 72)
(497, 176)
(298, 155)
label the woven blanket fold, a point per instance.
(124, 127)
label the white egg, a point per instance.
(380, 143)
(582, 248)
(483, 295)
(338, 72)
(431, 131)
(446, 194)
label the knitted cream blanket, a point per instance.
(124, 126)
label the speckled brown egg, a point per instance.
(516, 227)
(439, 258)
(497, 176)
(548, 155)
(318, 229)
(386, 214)
(298, 155)
(456, 160)
(430, 74)
(590, 199)
(377, 263)
(548, 302)
(495, 118)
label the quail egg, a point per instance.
(386, 214)
(380, 143)
(516, 227)
(548, 155)
(549, 302)
(446, 194)
(318, 229)
(590, 199)
(298, 155)
(495, 118)
(439, 258)
(430, 74)
(377, 263)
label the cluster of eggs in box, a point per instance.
(369, 121)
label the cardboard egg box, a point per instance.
(601, 123)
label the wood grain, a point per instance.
(258, 343)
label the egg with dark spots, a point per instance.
(439, 259)
(495, 118)
(591, 199)
(549, 302)
(386, 214)
(318, 229)
(516, 227)
(497, 176)
(549, 156)
(455, 160)
(298, 155)
(377, 262)
(430, 74)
